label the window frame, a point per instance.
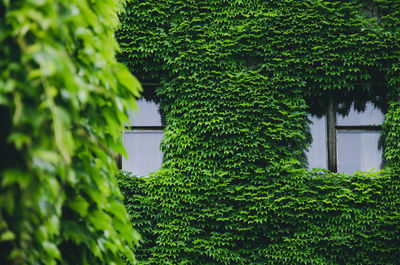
(148, 84)
(332, 129)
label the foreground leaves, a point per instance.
(63, 99)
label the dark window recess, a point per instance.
(346, 143)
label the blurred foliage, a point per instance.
(238, 79)
(63, 100)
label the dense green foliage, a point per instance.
(63, 100)
(237, 81)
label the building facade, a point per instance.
(244, 87)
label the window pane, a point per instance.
(358, 150)
(148, 116)
(143, 148)
(371, 116)
(317, 153)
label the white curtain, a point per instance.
(371, 116)
(358, 150)
(148, 114)
(317, 153)
(143, 148)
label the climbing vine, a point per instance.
(238, 79)
(63, 101)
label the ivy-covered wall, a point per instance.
(238, 79)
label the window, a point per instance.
(346, 143)
(142, 140)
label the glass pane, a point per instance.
(143, 148)
(148, 115)
(371, 116)
(317, 153)
(358, 150)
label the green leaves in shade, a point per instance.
(63, 101)
(238, 79)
